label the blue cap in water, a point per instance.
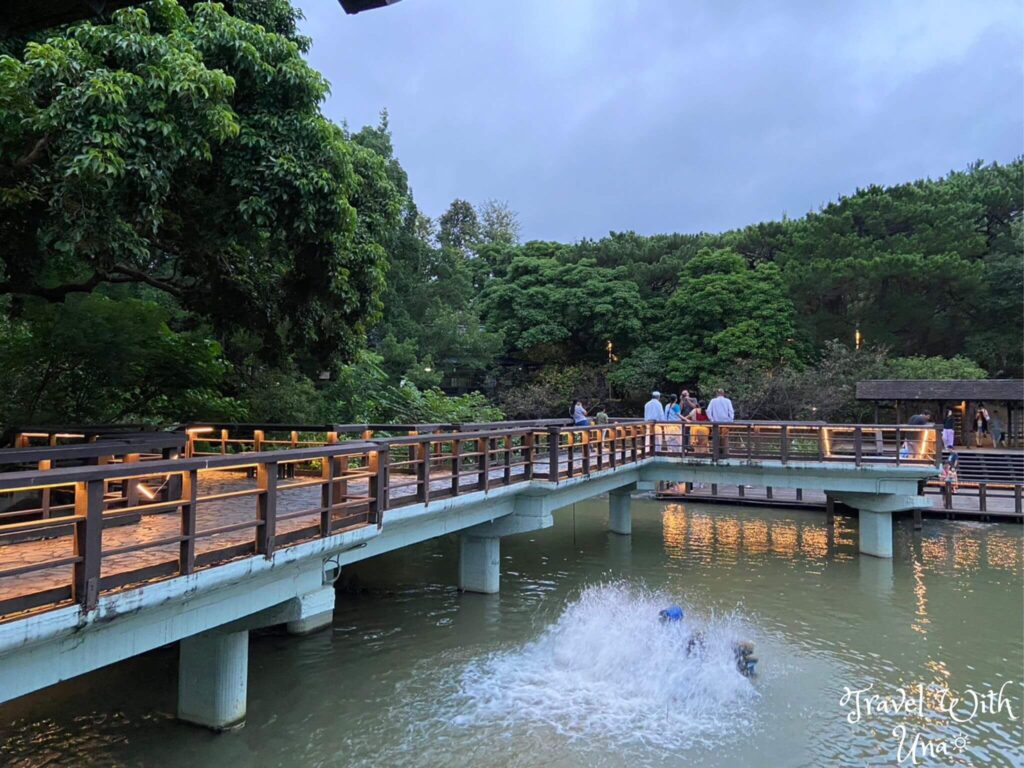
(672, 613)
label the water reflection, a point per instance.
(971, 547)
(920, 599)
(712, 535)
(722, 533)
(875, 574)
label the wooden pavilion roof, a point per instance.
(947, 390)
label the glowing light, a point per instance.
(68, 435)
(857, 338)
(197, 430)
(146, 491)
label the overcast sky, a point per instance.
(590, 116)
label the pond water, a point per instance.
(570, 665)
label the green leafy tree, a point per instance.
(919, 367)
(724, 313)
(550, 311)
(94, 359)
(459, 227)
(183, 148)
(499, 224)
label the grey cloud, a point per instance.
(674, 116)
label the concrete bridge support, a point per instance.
(620, 516)
(479, 563)
(874, 517)
(313, 611)
(213, 679)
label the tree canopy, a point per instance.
(183, 234)
(183, 147)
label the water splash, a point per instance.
(609, 670)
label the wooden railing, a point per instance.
(859, 444)
(191, 513)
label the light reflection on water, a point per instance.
(411, 667)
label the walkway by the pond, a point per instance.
(1000, 503)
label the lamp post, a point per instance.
(611, 359)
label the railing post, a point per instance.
(716, 442)
(44, 495)
(223, 442)
(483, 446)
(88, 542)
(1017, 498)
(173, 489)
(456, 465)
(982, 497)
(750, 442)
(378, 485)
(327, 499)
(858, 446)
(187, 546)
(784, 447)
(553, 439)
(423, 472)
(129, 488)
(258, 437)
(586, 452)
(528, 446)
(651, 444)
(633, 446)
(938, 446)
(570, 450)
(821, 443)
(266, 507)
(506, 475)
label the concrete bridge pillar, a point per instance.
(479, 563)
(213, 676)
(620, 517)
(313, 611)
(874, 517)
(875, 533)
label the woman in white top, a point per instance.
(674, 431)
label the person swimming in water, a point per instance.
(746, 661)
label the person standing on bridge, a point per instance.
(720, 408)
(654, 412)
(579, 414)
(720, 411)
(687, 402)
(949, 430)
(674, 414)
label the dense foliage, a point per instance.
(183, 235)
(931, 274)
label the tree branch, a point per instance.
(140, 276)
(59, 292)
(35, 153)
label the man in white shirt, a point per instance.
(654, 410)
(720, 408)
